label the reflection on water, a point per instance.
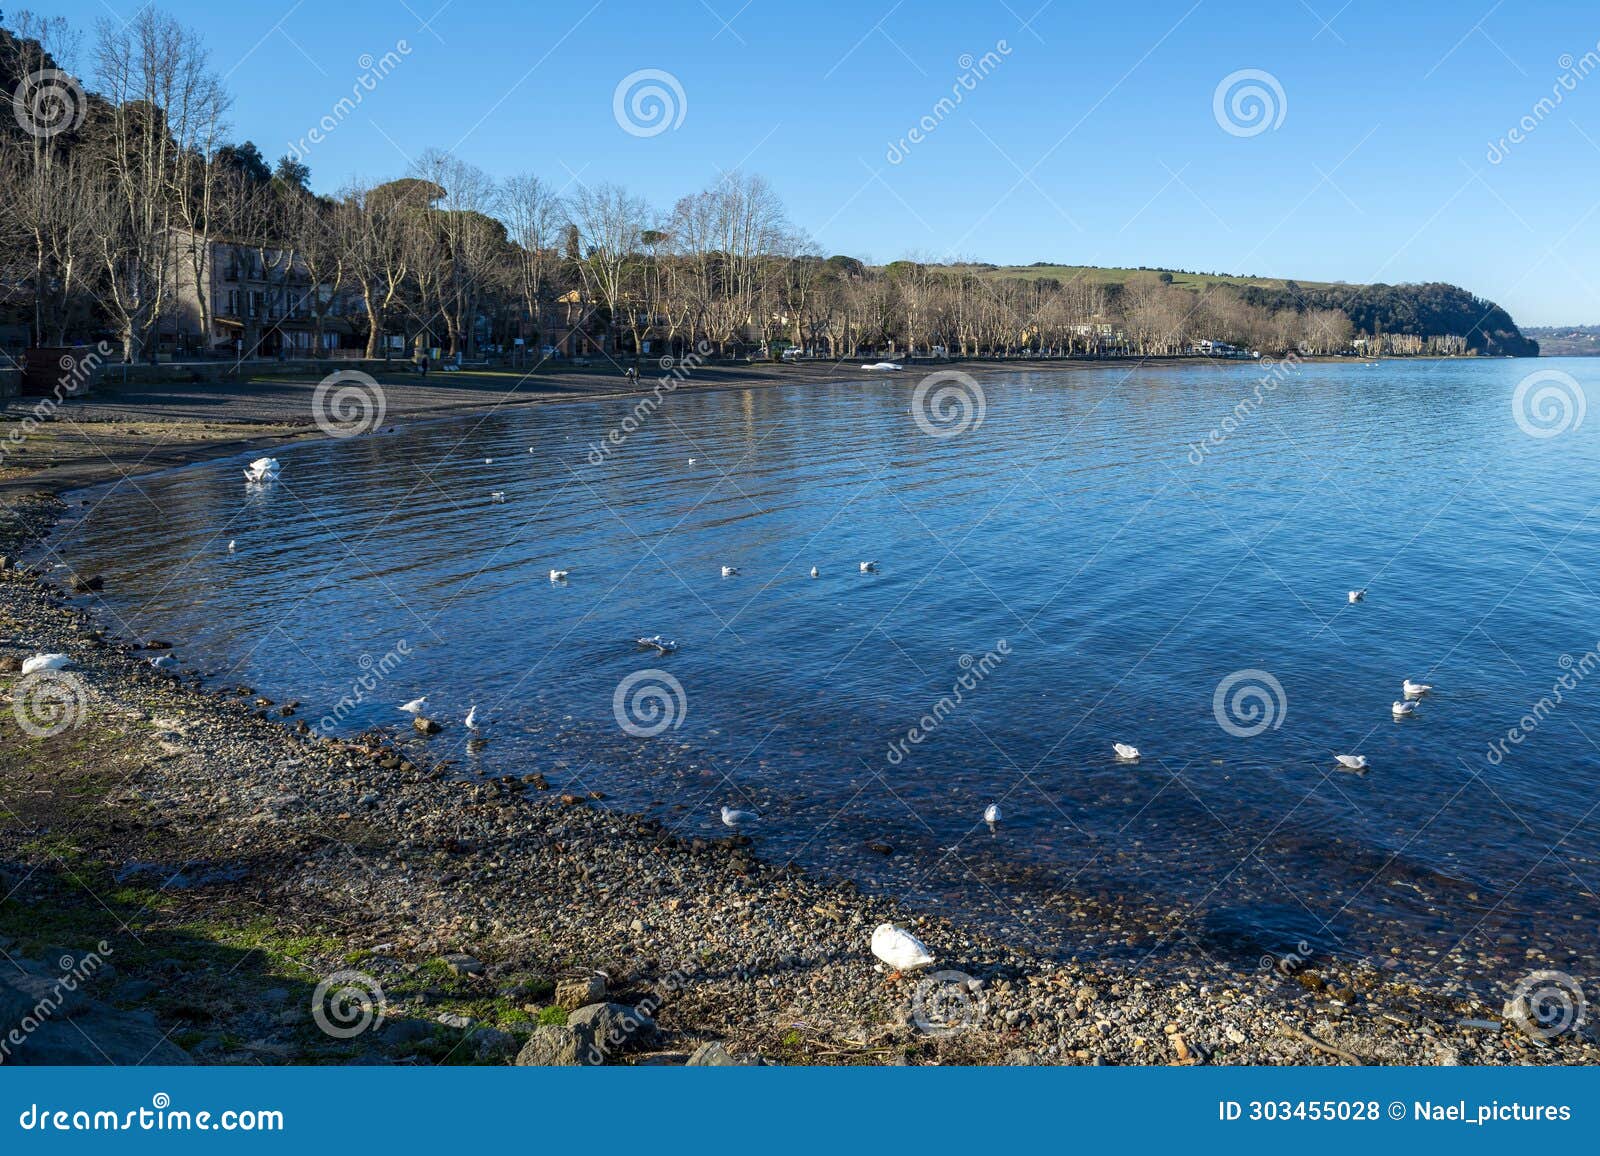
(1119, 569)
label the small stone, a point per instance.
(575, 993)
(426, 725)
(463, 964)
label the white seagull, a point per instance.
(1415, 689)
(1352, 762)
(230, 545)
(414, 707)
(1404, 709)
(262, 470)
(991, 814)
(163, 662)
(738, 819)
(1126, 752)
(558, 575)
(898, 948)
(869, 567)
(729, 571)
(878, 366)
(691, 461)
(497, 496)
(488, 461)
(657, 643)
(1357, 595)
(45, 662)
(815, 573)
(472, 717)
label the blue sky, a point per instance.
(1092, 139)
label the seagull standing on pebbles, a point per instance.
(45, 662)
(901, 950)
(414, 707)
(1127, 752)
(738, 819)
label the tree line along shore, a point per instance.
(133, 215)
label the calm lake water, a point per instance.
(1114, 571)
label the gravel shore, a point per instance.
(242, 875)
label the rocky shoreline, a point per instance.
(263, 895)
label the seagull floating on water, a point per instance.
(1126, 752)
(497, 496)
(869, 567)
(471, 721)
(881, 365)
(414, 707)
(1352, 762)
(691, 461)
(1415, 689)
(1404, 709)
(262, 470)
(991, 814)
(1357, 595)
(900, 949)
(45, 662)
(558, 575)
(657, 643)
(815, 573)
(230, 545)
(737, 819)
(729, 571)
(164, 661)
(488, 461)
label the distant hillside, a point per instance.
(1566, 340)
(1428, 310)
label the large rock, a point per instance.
(551, 1046)
(605, 1029)
(573, 994)
(57, 1026)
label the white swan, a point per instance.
(558, 575)
(899, 948)
(45, 662)
(1357, 595)
(262, 470)
(991, 814)
(1404, 709)
(1415, 689)
(415, 705)
(729, 571)
(1352, 762)
(1127, 752)
(869, 567)
(738, 819)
